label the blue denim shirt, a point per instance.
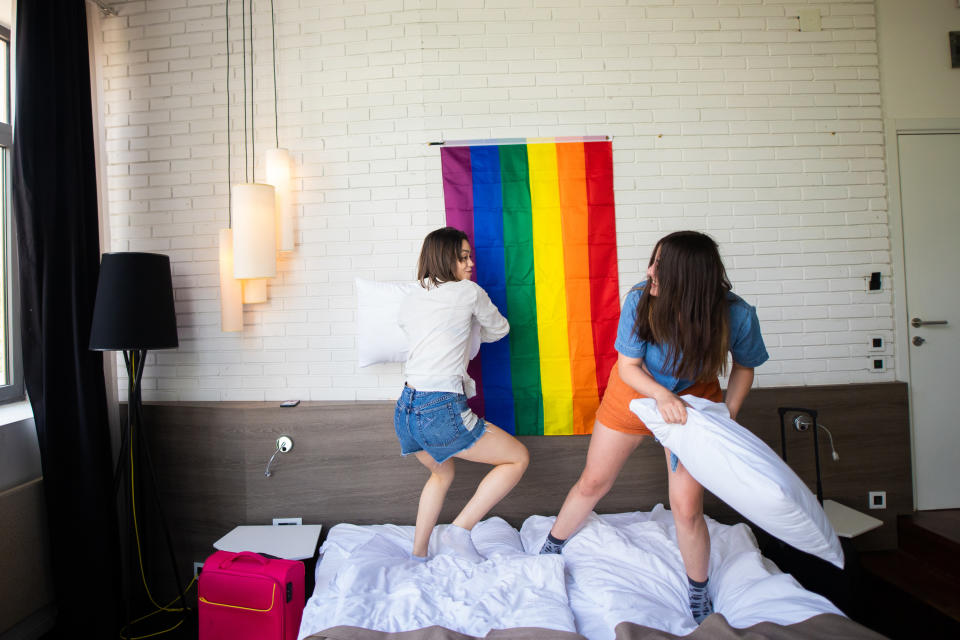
(746, 342)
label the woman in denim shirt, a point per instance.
(675, 330)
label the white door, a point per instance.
(930, 201)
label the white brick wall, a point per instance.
(724, 117)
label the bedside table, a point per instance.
(291, 542)
(287, 541)
(847, 522)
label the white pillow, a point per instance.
(380, 338)
(740, 469)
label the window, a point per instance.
(11, 378)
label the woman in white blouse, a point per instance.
(432, 419)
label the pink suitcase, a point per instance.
(245, 595)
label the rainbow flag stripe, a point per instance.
(540, 217)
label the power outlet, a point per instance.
(197, 569)
(279, 522)
(877, 499)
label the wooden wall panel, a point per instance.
(346, 465)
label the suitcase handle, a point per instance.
(244, 555)
(273, 598)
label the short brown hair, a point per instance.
(439, 255)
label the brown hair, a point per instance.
(439, 256)
(689, 313)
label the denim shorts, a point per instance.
(433, 421)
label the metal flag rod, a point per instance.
(505, 141)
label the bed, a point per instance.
(620, 577)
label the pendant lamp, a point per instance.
(279, 163)
(254, 231)
(248, 249)
(231, 291)
(254, 291)
(231, 303)
(278, 174)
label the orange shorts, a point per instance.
(614, 411)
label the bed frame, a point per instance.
(345, 464)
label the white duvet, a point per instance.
(627, 567)
(366, 579)
(621, 567)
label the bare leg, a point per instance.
(510, 459)
(686, 503)
(608, 451)
(431, 500)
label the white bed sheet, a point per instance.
(366, 579)
(619, 567)
(627, 567)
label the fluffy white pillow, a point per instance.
(380, 338)
(740, 469)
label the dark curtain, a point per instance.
(55, 205)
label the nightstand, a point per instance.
(288, 541)
(847, 522)
(291, 542)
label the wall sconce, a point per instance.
(800, 424)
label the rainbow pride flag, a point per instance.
(540, 216)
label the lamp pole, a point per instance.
(135, 360)
(133, 313)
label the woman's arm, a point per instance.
(671, 407)
(738, 386)
(493, 325)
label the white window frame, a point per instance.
(13, 390)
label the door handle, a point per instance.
(917, 322)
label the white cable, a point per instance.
(833, 452)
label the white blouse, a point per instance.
(437, 321)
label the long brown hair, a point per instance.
(689, 313)
(439, 256)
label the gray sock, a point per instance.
(552, 545)
(700, 605)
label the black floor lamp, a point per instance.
(134, 313)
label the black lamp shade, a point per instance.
(134, 306)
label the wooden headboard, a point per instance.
(345, 465)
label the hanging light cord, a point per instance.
(229, 148)
(243, 32)
(276, 102)
(253, 129)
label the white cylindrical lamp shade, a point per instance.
(278, 174)
(231, 304)
(254, 231)
(254, 291)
